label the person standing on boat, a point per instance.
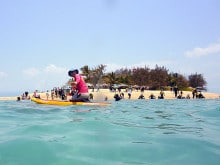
(80, 86)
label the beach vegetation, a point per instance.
(93, 75)
(197, 80)
(110, 78)
(154, 79)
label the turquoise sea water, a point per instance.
(152, 132)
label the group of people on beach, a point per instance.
(197, 94)
(120, 96)
(80, 91)
(178, 94)
(24, 96)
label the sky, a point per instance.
(41, 40)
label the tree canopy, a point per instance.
(156, 78)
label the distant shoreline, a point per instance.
(105, 93)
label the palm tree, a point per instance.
(97, 74)
(110, 78)
(86, 72)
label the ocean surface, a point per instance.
(128, 132)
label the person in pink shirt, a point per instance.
(82, 93)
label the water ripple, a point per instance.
(127, 132)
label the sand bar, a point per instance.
(103, 93)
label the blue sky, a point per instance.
(40, 40)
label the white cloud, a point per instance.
(51, 68)
(197, 52)
(31, 72)
(3, 74)
(46, 77)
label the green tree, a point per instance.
(110, 78)
(93, 76)
(156, 78)
(182, 82)
(96, 74)
(123, 76)
(197, 80)
(141, 76)
(86, 72)
(159, 77)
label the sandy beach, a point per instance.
(101, 94)
(105, 93)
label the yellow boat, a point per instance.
(66, 103)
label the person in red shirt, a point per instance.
(79, 85)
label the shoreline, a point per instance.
(101, 94)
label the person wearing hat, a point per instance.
(80, 86)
